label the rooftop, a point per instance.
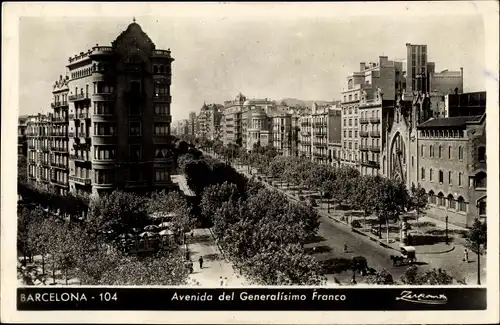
(449, 122)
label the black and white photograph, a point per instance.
(249, 146)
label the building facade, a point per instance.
(38, 140)
(110, 127)
(22, 144)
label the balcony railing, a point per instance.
(79, 157)
(80, 180)
(106, 96)
(82, 115)
(45, 163)
(58, 104)
(375, 119)
(59, 182)
(363, 133)
(83, 135)
(58, 164)
(375, 134)
(375, 148)
(163, 98)
(78, 97)
(59, 149)
(44, 179)
(45, 148)
(320, 144)
(163, 118)
(58, 119)
(364, 148)
(370, 163)
(58, 134)
(364, 120)
(161, 52)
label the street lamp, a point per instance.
(446, 230)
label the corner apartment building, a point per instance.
(111, 116)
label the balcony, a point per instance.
(59, 134)
(32, 160)
(82, 115)
(59, 149)
(59, 182)
(59, 165)
(45, 148)
(320, 144)
(99, 50)
(375, 134)
(44, 179)
(375, 120)
(59, 119)
(102, 139)
(370, 163)
(81, 158)
(85, 135)
(161, 53)
(364, 120)
(78, 97)
(104, 96)
(45, 163)
(80, 180)
(375, 148)
(163, 118)
(364, 148)
(71, 134)
(31, 146)
(58, 104)
(363, 134)
(162, 98)
(161, 138)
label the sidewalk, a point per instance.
(214, 265)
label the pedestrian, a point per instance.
(225, 281)
(200, 260)
(466, 256)
(221, 282)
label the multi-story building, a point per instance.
(282, 132)
(305, 136)
(59, 148)
(112, 117)
(231, 121)
(319, 125)
(22, 145)
(38, 139)
(181, 127)
(456, 104)
(259, 128)
(192, 123)
(334, 135)
(213, 122)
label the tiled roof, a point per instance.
(457, 121)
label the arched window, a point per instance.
(459, 179)
(451, 202)
(440, 197)
(441, 176)
(422, 148)
(481, 180)
(422, 173)
(462, 206)
(432, 197)
(430, 174)
(449, 152)
(481, 154)
(450, 180)
(481, 206)
(460, 153)
(431, 153)
(440, 151)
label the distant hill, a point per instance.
(292, 102)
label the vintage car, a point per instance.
(407, 256)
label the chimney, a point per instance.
(362, 66)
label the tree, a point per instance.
(38, 235)
(22, 169)
(214, 196)
(162, 269)
(476, 241)
(432, 277)
(382, 277)
(418, 200)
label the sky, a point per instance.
(273, 56)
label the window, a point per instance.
(355, 96)
(412, 161)
(155, 69)
(104, 128)
(431, 151)
(451, 202)
(460, 153)
(350, 134)
(104, 176)
(481, 205)
(459, 179)
(430, 174)
(450, 178)
(356, 122)
(441, 176)
(422, 151)
(161, 88)
(481, 154)
(161, 129)
(480, 180)
(162, 152)
(432, 197)
(440, 151)
(162, 69)
(350, 97)
(345, 122)
(103, 153)
(449, 152)
(161, 174)
(103, 108)
(440, 199)
(350, 122)
(356, 133)
(135, 128)
(462, 206)
(422, 173)
(135, 152)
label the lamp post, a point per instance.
(446, 230)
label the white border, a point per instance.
(10, 82)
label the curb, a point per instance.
(442, 252)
